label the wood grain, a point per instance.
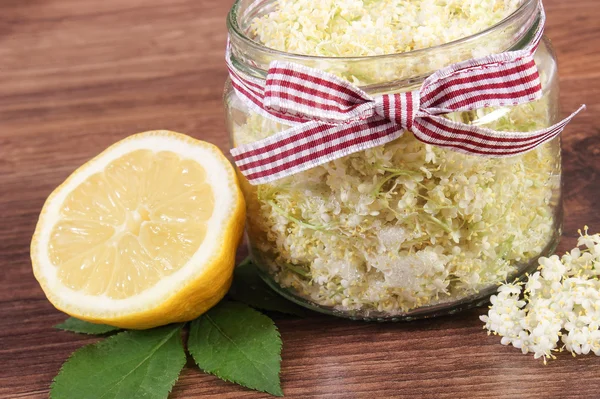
(78, 75)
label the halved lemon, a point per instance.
(144, 234)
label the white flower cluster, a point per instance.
(338, 28)
(559, 303)
(404, 225)
(353, 28)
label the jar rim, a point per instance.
(235, 30)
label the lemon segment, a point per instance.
(142, 235)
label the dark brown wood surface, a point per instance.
(78, 75)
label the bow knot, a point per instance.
(401, 108)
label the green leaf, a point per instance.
(238, 344)
(83, 327)
(131, 364)
(249, 288)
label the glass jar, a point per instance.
(403, 230)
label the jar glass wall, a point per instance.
(406, 229)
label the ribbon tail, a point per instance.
(308, 145)
(475, 140)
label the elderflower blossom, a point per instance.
(350, 28)
(558, 304)
(405, 225)
(358, 28)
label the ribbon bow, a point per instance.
(333, 118)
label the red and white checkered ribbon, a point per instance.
(332, 118)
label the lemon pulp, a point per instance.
(123, 229)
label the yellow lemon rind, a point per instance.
(185, 302)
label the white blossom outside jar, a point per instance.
(406, 229)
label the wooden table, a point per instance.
(78, 75)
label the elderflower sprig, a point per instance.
(560, 303)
